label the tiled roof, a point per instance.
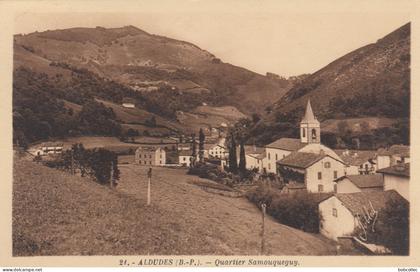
(400, 150)
(148, 148)
(402, 170)
(355, 157)
(185, 153)
(356, 202)
(301, 159)
(251, 149)
(366, 181)
(290, 144)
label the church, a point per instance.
(305, 163)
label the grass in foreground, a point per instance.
(58, 214)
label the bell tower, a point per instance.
(310, 128)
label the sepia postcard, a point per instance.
(209, 133)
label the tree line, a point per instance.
(98, 163)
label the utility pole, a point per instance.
(111, 178)
(263, 207)
(72, 161)
(149, 177)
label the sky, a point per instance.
(262, 38)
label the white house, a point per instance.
(311, 171)
(358, 162)
(278, 150)
(254, 157)
(185, 157)
(184, 146)
(150, 155)
(217, 151)
(393, 155)
(342, 214)
(128, 105)
(397, 178)
(359, 183)
(48, 148)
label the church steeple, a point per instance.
(310, 129)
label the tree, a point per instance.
(201, 138)
(194, 149)
(233, 163)
(242, 160)
(393, 226)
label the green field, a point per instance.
(55, 213)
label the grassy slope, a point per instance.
(58, 214)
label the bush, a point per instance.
(210, 171)
(298, 210)
(392, 227)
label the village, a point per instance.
(356, 184)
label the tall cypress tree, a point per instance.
(242, 162)
(194, 150)
(201, 138)
(233, 163)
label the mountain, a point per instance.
(371, 81)
(367, 88)
(148, 63)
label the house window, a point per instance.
(160, 162)
(184, 158)
(139, 162)
(335, 188)
(276, 157)
(161, 156)
(320, 188)
(145, 162)
(303, 132)
(334, 212)
(319, 175)
(335, 174)
(150, 162)
(150, 156)
(327, 165)
(269, 167)
(269, 157)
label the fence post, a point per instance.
(263, 207)
(149, 177)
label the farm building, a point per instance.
(358, 162)
(217, 151)
(148, 155)
(254, 157)
(47, 148)
(393, 155)
(359, 183)
(185, 158)
(342, 214)
(184, 146)
(397, 178)
(129, 103)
